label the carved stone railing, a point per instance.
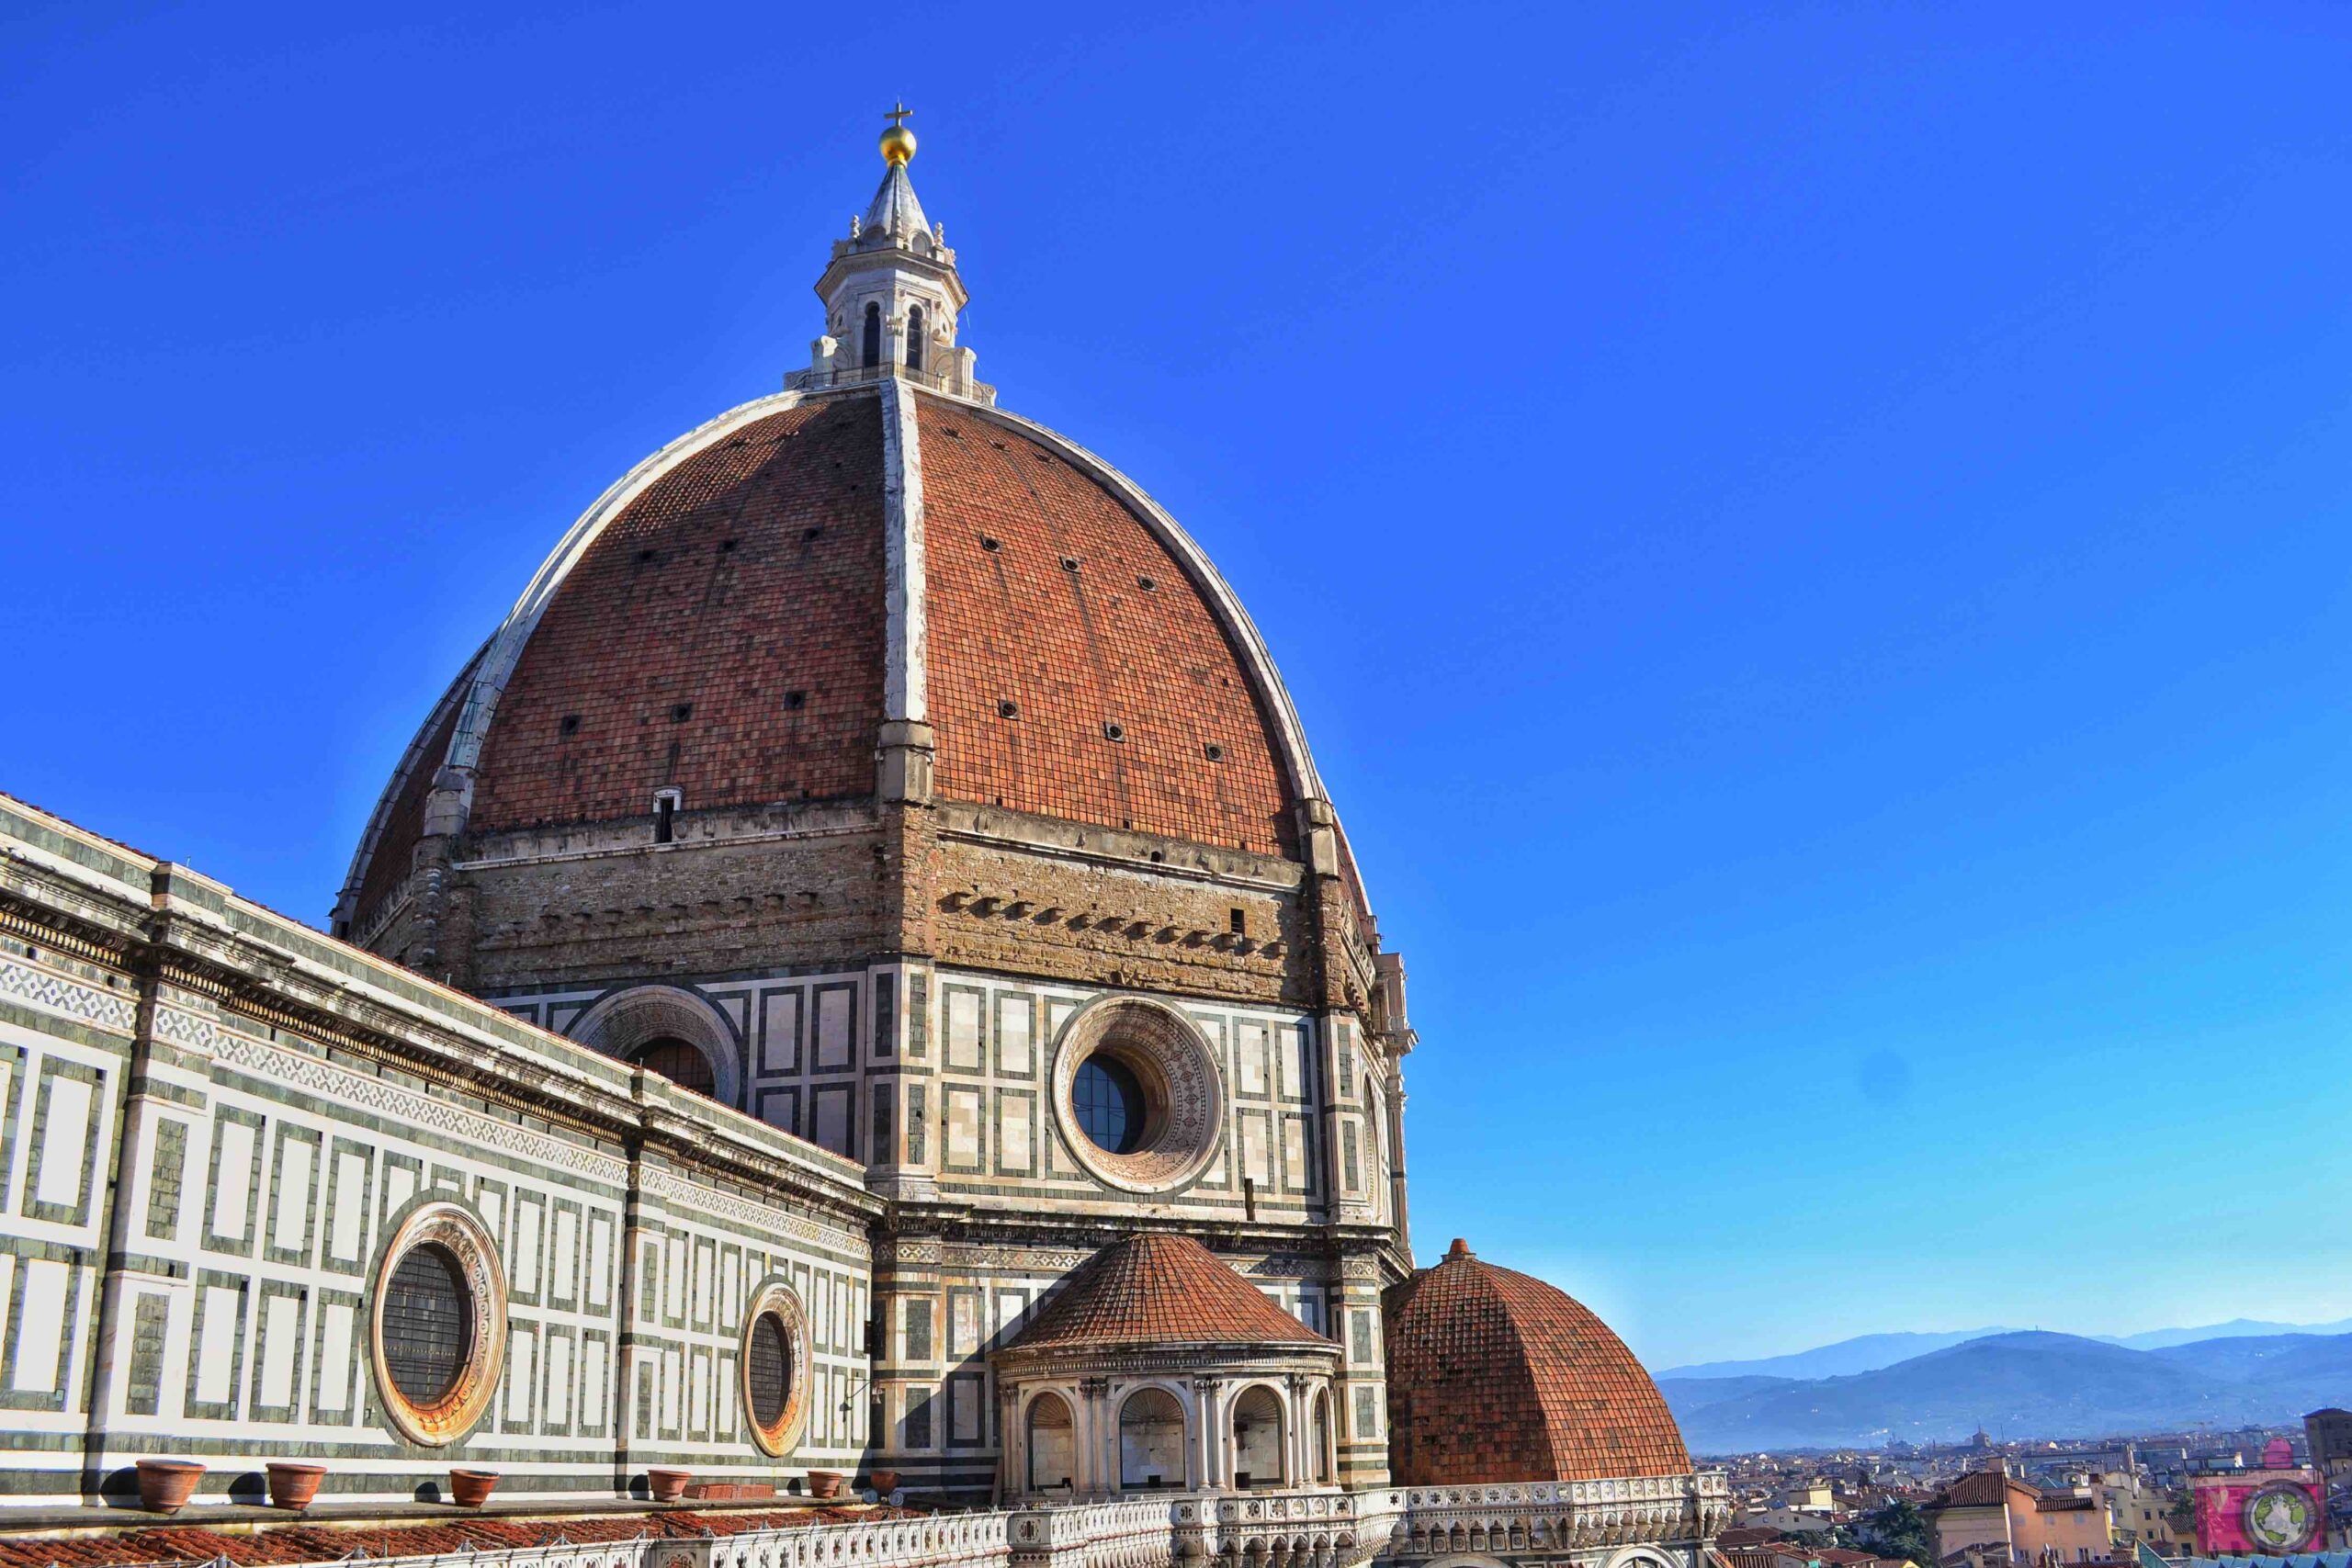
(1532, 1517)
(1316, 1528)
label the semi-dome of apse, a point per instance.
(1160, 1288)
(1493, 1375)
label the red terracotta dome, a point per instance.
(1160, 1290)
(1496, 1376)
(729, 621)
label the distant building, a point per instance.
(2086, 1461)
(1992, 1509)
(2140, 1513)
(1790, 1521)
(2329, 1433)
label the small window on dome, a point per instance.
(795, 699)
(568, 725)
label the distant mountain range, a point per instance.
(1869, 1352)
(2013, 1382)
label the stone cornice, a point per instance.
(223, 955)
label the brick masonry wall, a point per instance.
(691, 907)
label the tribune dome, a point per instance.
(875, 554)
(1493, 1375)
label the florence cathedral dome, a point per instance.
(894, 770)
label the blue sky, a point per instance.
(1813, 541)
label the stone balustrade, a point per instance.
(1559, 1516)
(1314, 1529)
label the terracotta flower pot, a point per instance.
(667, 1485)
(471, 1488)
(824, 1483)
(166, 1485)
(884, 1481)
(293, 1486)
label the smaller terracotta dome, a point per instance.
(1496, 1376)
(1160, 1290)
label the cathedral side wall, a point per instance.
(204, 1198)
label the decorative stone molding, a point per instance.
(391, 1099)
(678, 1191)
(107, 1009)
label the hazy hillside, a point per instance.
(1867, 1352)
(1695, 1393)
(2278, 1361)
(2046, 1384)
(2237, 1327)
(1864, 1353)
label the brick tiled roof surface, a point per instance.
(724, 636)
(329, 1543)
(1160, 1290)
(1985, 1489)
(1496, 1376)
(748, 573)
(1077, 649)
(388, 866)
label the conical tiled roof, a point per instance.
(1160, 1290)
(1496, 1376)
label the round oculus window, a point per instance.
(1109, 1103)
(1137, 1094)
(439, 1326)
(428, 1323)
(773, 1382)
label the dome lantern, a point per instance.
(891, 293)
